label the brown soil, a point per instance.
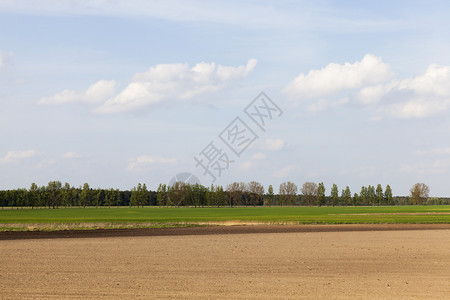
(235, 229)
(355, 261)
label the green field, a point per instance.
(64, 218)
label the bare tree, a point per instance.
(288, 193)
(256, 191)
(235, 193)
(419, 193)
(309, 191)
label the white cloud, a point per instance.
(148, 160)
(435, 151)
(259, 156)
(70, 155)
(96, 93)
(174, 82)
(5, 57)
(16, 156)
(335, 78)
(245, 166)
(323, 104)
(370, 83)
(284, 172)
(419, 97)
(274, 144)
(440, 166)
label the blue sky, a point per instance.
(119, 92)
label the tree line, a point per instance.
(253, 193)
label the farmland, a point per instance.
(370, 265)
(117, 217)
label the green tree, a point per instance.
(321, 194)
(134, 197)
(371, 195)
(388, 195)
(33, 195)
(198, 195)
(54, 193)
(109, 197)
(270, 195)
(363, 196)
(117, 197)
(419, 193)
(210, 196)
(219, 196)
(334, 195)
(379, 195)
(143, 195)
(86, 195)
(161, 195)
(346, 196)
(98, 197)
(179, 193)
(355, 199)
(66, 195)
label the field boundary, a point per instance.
(214, 230)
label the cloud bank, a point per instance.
(96, 93)
(163, 82)
(335, 78)
(371, 82)
(4, 58)
(16, 156)
(176, 82)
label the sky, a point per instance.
(114, 93)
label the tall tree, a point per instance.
(270, 195)
(346, 196)
(321, 194)
(54, 193)
(117, 197)
(256, 191)
(388, 195)
(210, 196)
(179, 193)
(33, 195)
(334, 195)
(86, 195)
(161, 195)
(355, 199)
(109, 197)
(219, 196)
(371, 195)
(143, 195)
(309, 192)
(235, 192)
(288, 193)
(379, 195)
(419, 193)
(98, 197)
(134, 197)
(363, 196)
